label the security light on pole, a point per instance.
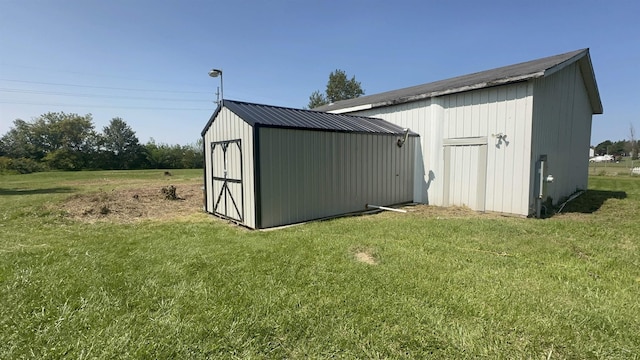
(216, 73)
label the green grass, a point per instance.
(623, 167)
(482, 286)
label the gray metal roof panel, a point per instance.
(503, 75)
(274, 116)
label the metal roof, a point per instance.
(503, 75)
(281, 117)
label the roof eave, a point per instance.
(213, 116)
(588, 75)
(432, 94)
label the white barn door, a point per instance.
(227, 187)
(465, 172)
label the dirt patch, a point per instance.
(364, 254)
(453, 212)
(366, 258)
(130, 205)
(445, 212)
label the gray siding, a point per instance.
(307, 175)
(562, 131)
(228, 126)
(418, 117)
(504, 109)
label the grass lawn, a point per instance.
(438, 284)
(623, 167)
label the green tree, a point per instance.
(164, 156)
(122, 147)
(619, 148)
(317, 99)
(68, 140)
(64, 159)
(339, 87)
(18, 142)
(192, 156)
(50, 137)
(603, 147)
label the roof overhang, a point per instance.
(432, 94)
(588, 76)
(213, 117)
(581, 57)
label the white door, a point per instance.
(465, 172)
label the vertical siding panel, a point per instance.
(490, 123)
(510, 177)
(418, 117)
(561, 129)
(467, 116)
(289, 150)
(447, 112)
(464, 166)
(505, 109)
(518, 145)
(228, 126)
(482, 118)
(461, 182)
(435, 139)
(527, 155)
(500, 155)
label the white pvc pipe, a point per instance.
(386, 208)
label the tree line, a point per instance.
(61, 141)
(618, 148)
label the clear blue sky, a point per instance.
(147, 61)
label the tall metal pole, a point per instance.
(215, 73)
(221, 88)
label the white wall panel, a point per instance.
(562, 130)
(487, 112)
(505, 109)
(228, 126)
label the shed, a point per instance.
(269, 166)
(490, 140)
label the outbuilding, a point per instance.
(267, 166)
(507, 140)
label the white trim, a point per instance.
(554, 69)
(351, 109)
(476, 140)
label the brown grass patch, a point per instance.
(453, 212)
(366, 258)
(364, 254)
(135, 204)
(444, 212)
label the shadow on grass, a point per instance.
(592, 200)
(55, 190)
